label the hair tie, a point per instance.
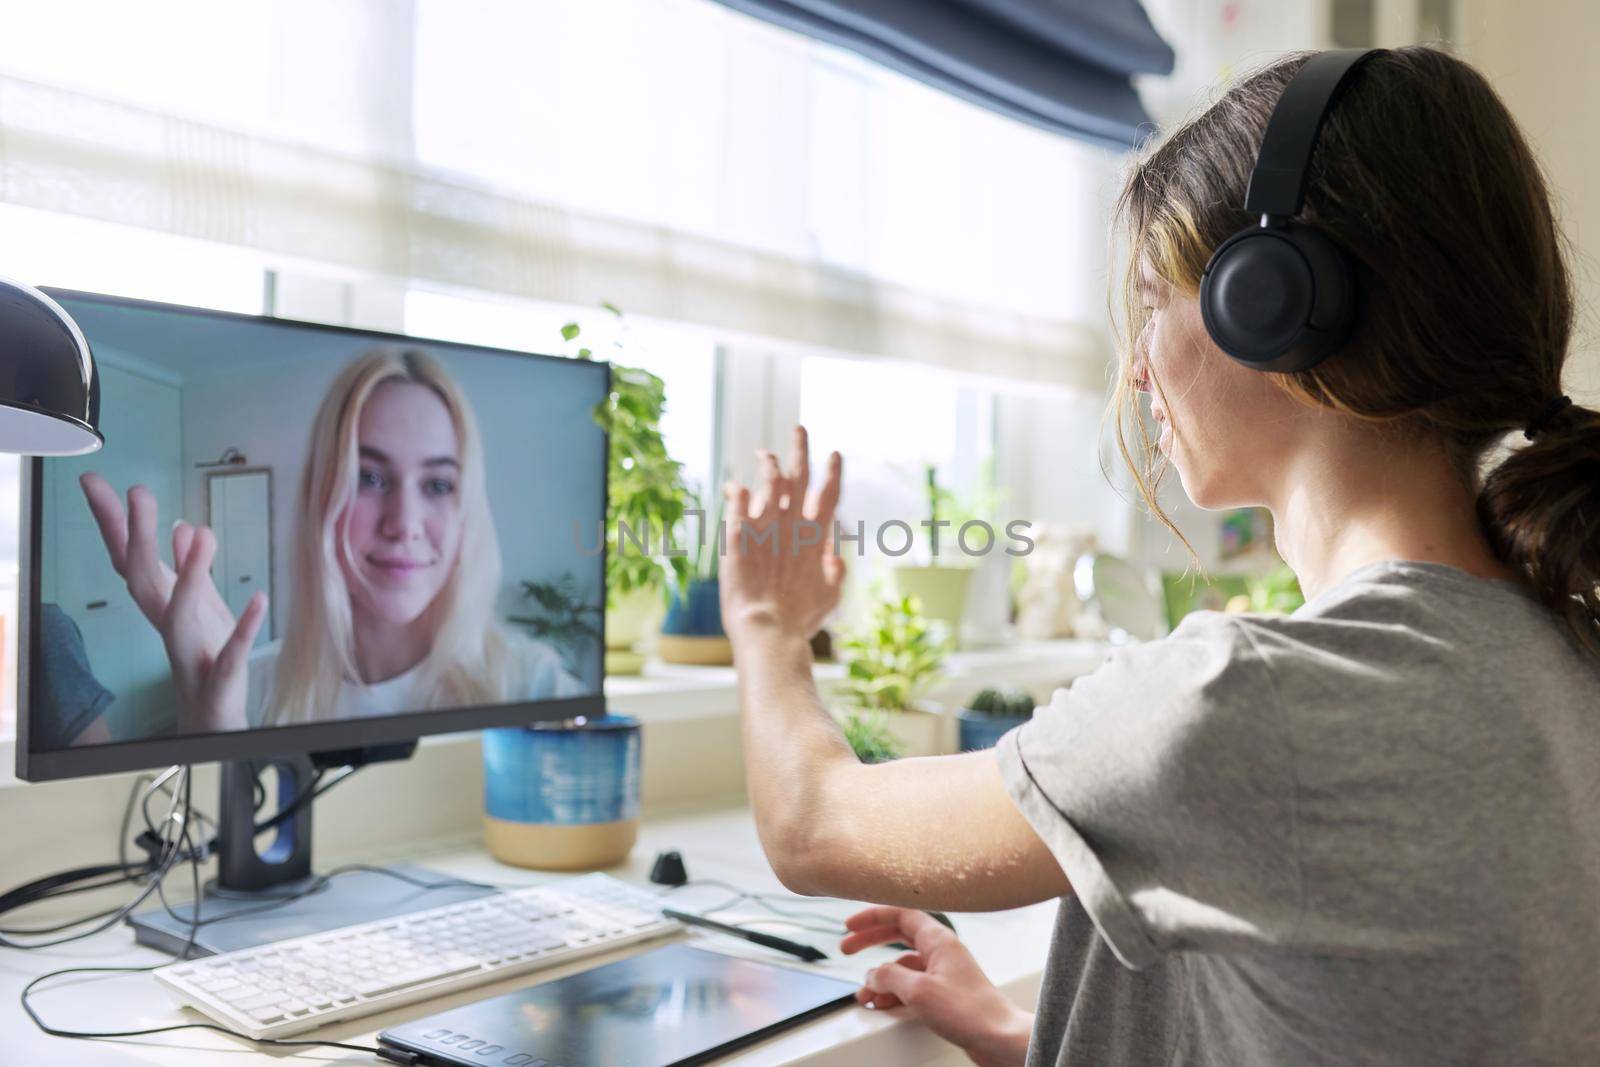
(1551, 410)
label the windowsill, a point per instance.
(668, 692)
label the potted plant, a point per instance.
(645, 493)
(990, 713)
(940, 586)
(692, 631)
(867, 730)
(890, 664)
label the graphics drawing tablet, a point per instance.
(668, 1007)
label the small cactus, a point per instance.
(1007, 700)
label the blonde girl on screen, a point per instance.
(395, 570)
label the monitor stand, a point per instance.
(270, 894)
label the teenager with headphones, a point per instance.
(1368, 832)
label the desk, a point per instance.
(716, 842)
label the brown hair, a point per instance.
(1465, 304)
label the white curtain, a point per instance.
(669, 156)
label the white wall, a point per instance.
(1540, 56)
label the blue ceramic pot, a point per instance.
(563, 773)
(980, 730)
(698, 615)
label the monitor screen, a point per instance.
(301, 537)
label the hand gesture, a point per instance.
(781, 567)
(941, 984)
(207, 647)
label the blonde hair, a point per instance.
(471, 659)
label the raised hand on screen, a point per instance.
(207, 647)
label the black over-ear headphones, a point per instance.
(1278, 296)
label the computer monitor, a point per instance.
(374, 507)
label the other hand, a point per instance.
(207, 648)
(941, 984)
(781, 568)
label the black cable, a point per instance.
(150, 790)
(763, 900)
(778, 920)
(164, 854)
(124, 871)
(168, 856)
(309, 793)
(184, 845)
(58, 884)
(67, 891)
(320, 882)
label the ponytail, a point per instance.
(1541, 511)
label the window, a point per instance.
(54, 250)
(891, 422)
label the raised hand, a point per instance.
(207, 648)
(941, 984)
(781, 567)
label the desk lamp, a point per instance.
(49, 391)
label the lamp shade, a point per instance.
(49, 391)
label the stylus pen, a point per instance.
(782, 944)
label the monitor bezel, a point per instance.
(122, 756)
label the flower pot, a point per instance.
(979, 729)
(692, 630)
(561, 796)
(628, 618)
(987, 621)
(941, 591)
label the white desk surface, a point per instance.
(716, 843)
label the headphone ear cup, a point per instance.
(1277, 298)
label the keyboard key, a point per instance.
(262, 1000)
(216, 986)
(378, 987)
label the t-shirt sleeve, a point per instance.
(1163, 783)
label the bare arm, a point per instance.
(938, 832)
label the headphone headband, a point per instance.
(1278, 182)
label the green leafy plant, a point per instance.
(645, 490)
(869, 736)
(894, 659)
(1008, 700)
(1276, 591)
(980, 504)
(560, 615)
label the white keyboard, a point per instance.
(288, 987)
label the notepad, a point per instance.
(668, 1007)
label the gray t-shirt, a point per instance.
(1366, 833)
